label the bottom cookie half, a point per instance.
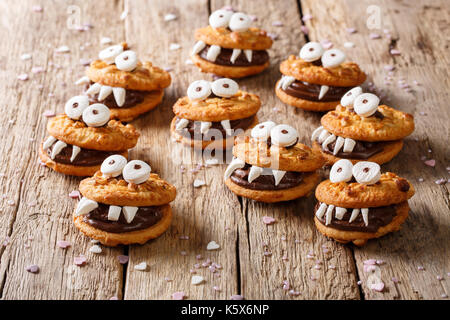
(151, 100)
(132, 237)
(304, 104)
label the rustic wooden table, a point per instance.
(36, 210)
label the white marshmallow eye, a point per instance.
(341, 171)
(96, 115)
(349, 97)
(75, 106)
(262, 130)
(240, 22)
(225, 87)
(113, 165)
(220, 18)
(366, 172)
(136, 171)
(366, 104)
(126, 61)
(109, 54)
(332, 58)
(283, 135)
(199, 90)
(311, 51)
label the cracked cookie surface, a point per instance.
(251, 39)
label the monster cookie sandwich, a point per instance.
(361, 129)
(83, 137)
(359, 203)
(317, 79)
(127, 86)
(230, 47)
(213, 113)
(124, 203)
(271, 165)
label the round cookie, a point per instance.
(151, 100)
(304, 104)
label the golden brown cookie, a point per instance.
(304, 104)
(251, 39)
(151, 100)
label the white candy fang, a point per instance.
(236, 163)
(75, 151)
(248, 55)
(227, 126)
(354, 215)
(323, 136)
(338, 145)
(254, 173)
(213, 52)
(105, 91)
(114, 213)
(83, 80)
(85, 206)
(365, 215)
(340, 213)
(199, 46)
(349, 144)
(94, 89)
(57, 148)
(129, 213)
(321, 211)
(119, 95)
(278, 175)
(323, 91)
(182, 123)
(286, 82)
(204, 126)
(327, 141)
(235, 55)
(329, 214)
(49, 142)
(316, 133)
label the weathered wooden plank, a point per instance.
(42, 210)
(262, 276)
(203, 214)
(417, 30)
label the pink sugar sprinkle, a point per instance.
(79, 261)
(237, 297)
(441, 181)
(379, 286)
(332, 266)
(199, 257)
(167, 279)
(37, 69)
(395, 52)
(184, 238)
(294, 293)
(48, 113)
(307, 17)
(197, 266)
(420, 268)
(37, 8)
(380, 262)
(286, 285)
(192, 271)
(359, 282)
(389, 67)
(350, 30)
(63, 244)
(228, 8)
(430, 163)
(304, 29)
(394, 279)
(253, 18)
(180, 295)
(75, 194)
(268, 220)
(370, 262)
(374, 36)
(273, 36)
(277, 24)
(33, 268)
(123, 259)
(22, 77)
(327, 44)
(114, 298)
(439, 278)
(216, 288)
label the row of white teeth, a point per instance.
(87, 205)
(214, 51)
(104, 91)
(323, 137)
(205, 126)
(327, 210)
(254, 172)
(286, 81)
(58, 146)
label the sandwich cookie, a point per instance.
(317, 79)
(127, 86)
(213, 113)
(361, 129)
(83, 137)
(271, 165)
(124, 203)
(359, 202)
(230, 47)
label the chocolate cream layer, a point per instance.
(259, 57)
(378, 217)
(310, 92)
(132, 98)
(362, 150)
(145, 218)
(193, 128)
(85, 158)
(266, 181)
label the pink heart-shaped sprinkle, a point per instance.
(430, 163)
(63, 244)
(268, 220)
(79, 261)
(178, 295)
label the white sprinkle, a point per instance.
(169, 17)
(141, 266)
(349, 45)
(25, 56)
(174, 46)
(62, 49)
(189, 62)
(198, 183)
(37, 69)
(196, 280)
(95, 249)
(212, 162)
(212, 246)
(22, 77)
(124, 15)
(105, 40)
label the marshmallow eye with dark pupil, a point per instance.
(283, 135)
(109, 54)
(366, 172)
(220, 18)
(136, 171)
(366, 104)
(332, 58)
(262, 131)
(311, 51)
(113, 165)
(126, 61)
(96, 115)
(240, 22)
(348, 99)
(341, 171)
(75, 106)
(225, 87)
(199, 90)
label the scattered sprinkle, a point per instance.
(23, 77)
(37, 69)
(394, 280)
(374, 36)
(79, 261)
(170, 17)
(379, 286)
(174, 46)
(95, 249)
(268, 220)
(184, 237)
(62, 49)
(180, 295)
(430, 163)
(304, 29)
(25, 56)
(123, 259)
(439, 278)
(124, 15)
(350, 30)
(63, 244)
(105, 40)
(389, 67)
(420, 268)
(212, 246)
(277, 24)
(49, 113)
(75, 194)
(294, 293)
(441, 181)
(196, 280)
(395, 52)
(349, 45)
(273, 36)
(189, 62)
(198, 183)
(307, 17)
(37, 8)
(237, 297)
(141, 266)
(216, 288)
(33, 268)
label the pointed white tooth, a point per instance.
(85, 206)
(114, 213)
(338, 145)
(227, 126)
(349, 144)
(365, 215)
(235, 55)
(254, 173)
(213, 52)
(181, 124)
(94, 89)
(328, 140)
(199, 46)
(340, 213)
(236, 163)
(119, 95)
(280, 83)
(249, 55)
(129, 213)
(321, 211)
(83, 80)
(288, 80)
(354, 215)
(323, 91)
(204, 127)
(323, 136)
(49, 142)
(278, 175)
(105, 91)
(57, 148)
(316, 133)
(75, 151)
(329, 214)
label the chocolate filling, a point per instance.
(145, 218)
(362, 150)
(85, 158)
(132, 98)
(194, 127)
(310, 92)
(266, 181)
(259, 57)
(378, 217)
